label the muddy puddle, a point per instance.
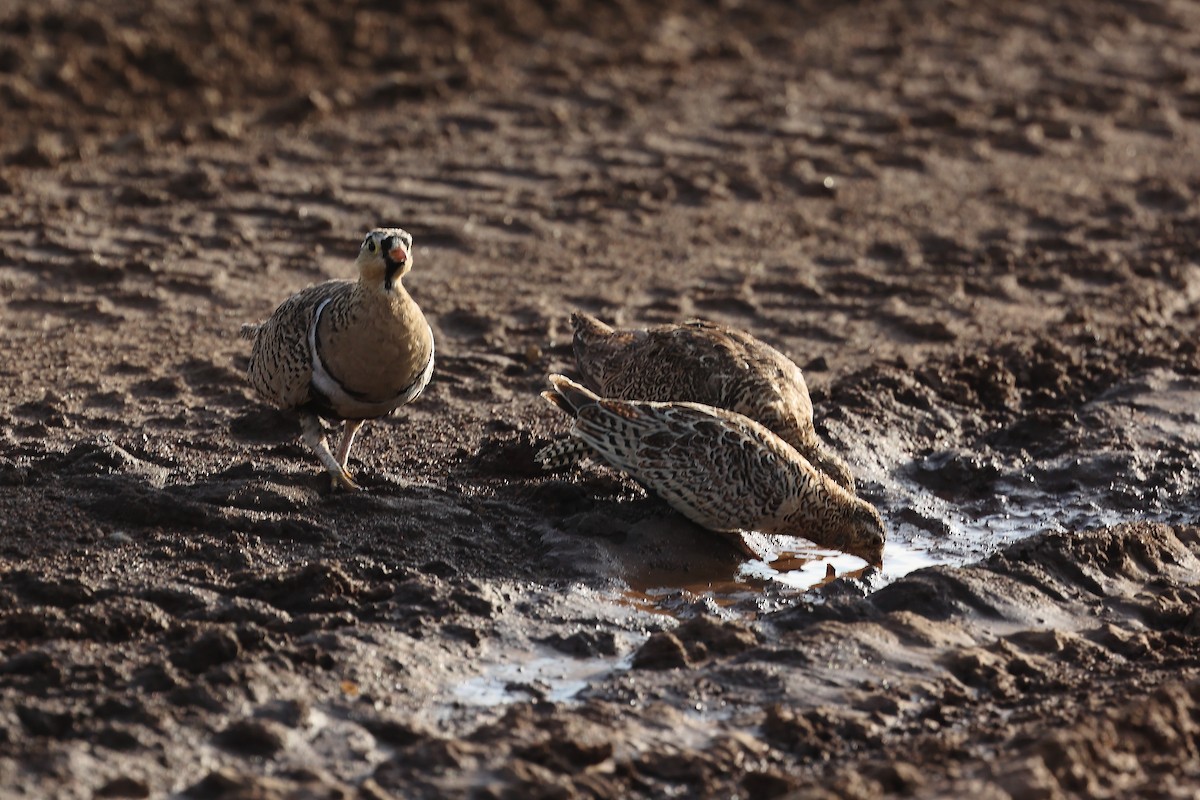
(540, 674)
(1129, 455)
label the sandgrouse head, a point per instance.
(385, 257)
(867, 538)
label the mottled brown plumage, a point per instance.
(346, 350)
(721, 469)
(702, 362)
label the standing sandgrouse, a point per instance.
(700, 362)
(721, 469)
(346, 350)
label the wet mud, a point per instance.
(975, 226)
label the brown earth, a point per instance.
(975, 225)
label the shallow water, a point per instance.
(1132, 454)
(543, 673)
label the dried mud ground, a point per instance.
(974, 225)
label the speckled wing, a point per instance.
(720, 469)
(781, 383)
(281, 361)
(704, 362)
(697, 361)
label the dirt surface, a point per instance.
(975, 225)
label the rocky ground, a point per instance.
(975, 225)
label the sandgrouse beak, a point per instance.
(394, 247)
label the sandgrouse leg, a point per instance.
(349, 429)
(314, 437)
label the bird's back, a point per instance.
(709, 363)
(698, 362)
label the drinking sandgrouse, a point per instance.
(699, 362)
(346, 350)
(721, 469)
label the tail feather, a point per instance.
(569, 396)
(588, 327)
(558, 401)
(250, 330)
(563, 453)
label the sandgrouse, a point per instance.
(699, 362)
(346, 350)
(721, 469)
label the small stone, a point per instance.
(1030, 778)
(118, 739)
(156, 678)
(254, 737)
(898, 778)
(124, 786)
(584, 644)
(392, 731)
(211, 649)
(31, 662)
(292, 713)
(40, 722)
(662, 650)
(714, 637)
